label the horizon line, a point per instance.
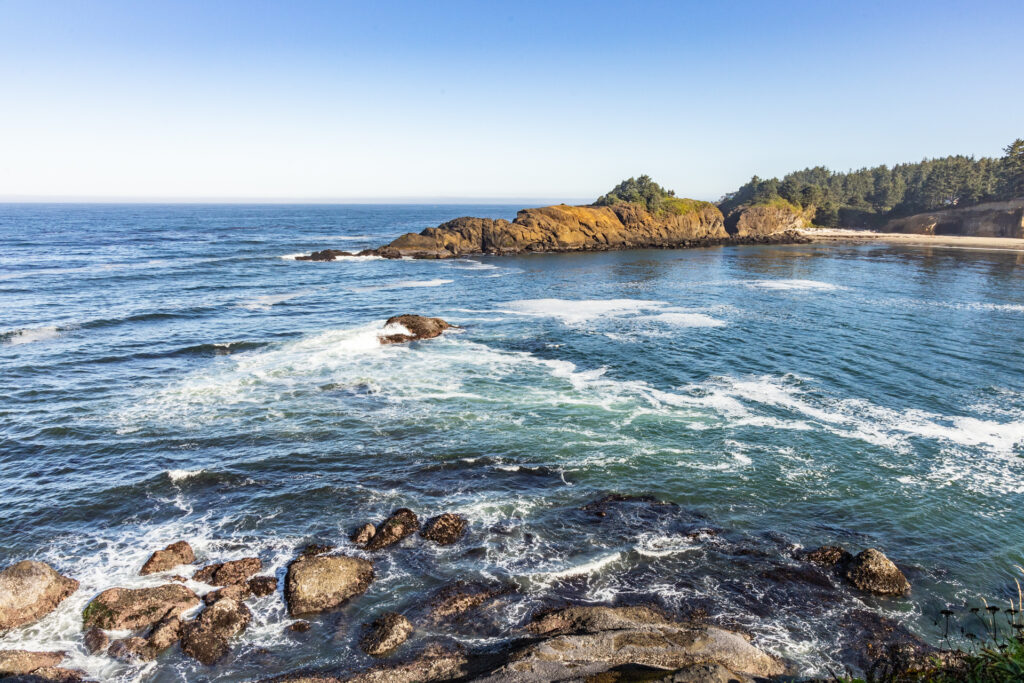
(75, 199)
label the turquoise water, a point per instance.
(172, 372)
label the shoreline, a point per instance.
(948, 241)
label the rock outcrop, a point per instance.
(30, 590)
(989, 219)
(406, 328)
(137, 608)
(761, 220)
(170, 557)
(16, 662)
(385, 634)
(166, 633)
(261, 586)
(402, 522)
(363, 534)
(317, 583)
(228, 573)
(444, 529)
(207, 639)
(872, 571)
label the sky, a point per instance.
(481, 100)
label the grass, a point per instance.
(680, 207)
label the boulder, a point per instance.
(299, 626)
(314, 584)
(137, 608)
(236, 591)
(261, 586)
(826, 556)
(325, 255)
(228, 573)
(173, 555)
(402, 522)
(30, 590)
(363, 534)
(872, 571)
(435, 663)
(14, 662)
(207, 639)
(95, 640)
(127, 649)
(385, 634)
(314, 549)
(460, 597)
(50, 674)
(444, 529)
(406, 328)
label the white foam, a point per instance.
(404, 284)
(658, 545)
(685, 319)
(793, 285)
(265, 301)
(589, 567)
(29, 335)
(182, 475)
(579, 311)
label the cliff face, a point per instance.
(766, 219)
(991, 219)
(567, 228)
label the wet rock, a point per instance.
(261, 586)
(435, 663)
(444, 529)
(601, 506)
(228, 573)
(324, 255)
(872, 571)
(385, 634)
(299, 627)
(48, 674)
(592, 619)
(826, 556)
(314, 584)
(461, 597)
(872, 642)
(237, 591)
(173, 555)
(363, 534)
(95, 640)
(207, 639)
(127, 649)
(400, 524)
(416, 326)
(314, 549)
(30, 590)
(166, 633)
(132, 609)
(13, 662)
(701, 673)
(809, 575)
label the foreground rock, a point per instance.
(406, 328)
(436, 663)
(402, 522)
(170, 557)
(133, 609)
(317, 583)
(444, 529)
(261, 586)
(30, 590)
(385, 634)
(207, 639)
(587, 641)
(161, 637)
(228, 573)
(15, 662)
(363, 534)
(872, 571)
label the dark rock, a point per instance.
(385, 634)
(803, 574)
(436, 662)
(400, 524)
(363, 534)
(132, 609)
(417, 326)
(315, 584)
(601, 506)
(444, 529)
(461, 597)
(127, 649)
(872, 641)
(163, 635)
(207, 639)
(325, 255)
(314, 549)
(95, 640)
(261, 586)
(228, 573)
(48, 674)
(14, 662)
(872, 571)
(237, 591)
(173, 555)
(826, 556)
(299, 626)
(30, 590)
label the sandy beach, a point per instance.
(956, 241)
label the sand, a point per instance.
(961, 241)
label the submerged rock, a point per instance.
(872, 571)
(415, 326)
(136, 608)
(325, 255)
(363, 534)
(228, 573)
(173, 555)
(14, 662)
(402, 522)
(385, 634)
(826, 556)
(207, 639)
(444, 529)
(314, 584)
(460, 597)
(30, 590)
(95, 640)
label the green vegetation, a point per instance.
(640, 190)
(681, 207)
(870, 196)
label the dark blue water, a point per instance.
(169, 372)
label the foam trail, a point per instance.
(29, 335)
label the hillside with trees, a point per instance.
(870, 196)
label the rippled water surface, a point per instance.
(172, 372)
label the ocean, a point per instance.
(171, 372)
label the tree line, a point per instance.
(870, 196)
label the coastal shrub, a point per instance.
(640, 190)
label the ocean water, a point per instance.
(171, 372)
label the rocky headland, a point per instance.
(989, 219)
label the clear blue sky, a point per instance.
(371, 100)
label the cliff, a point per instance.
(751, 220)
(990, 219)
(680, 223)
